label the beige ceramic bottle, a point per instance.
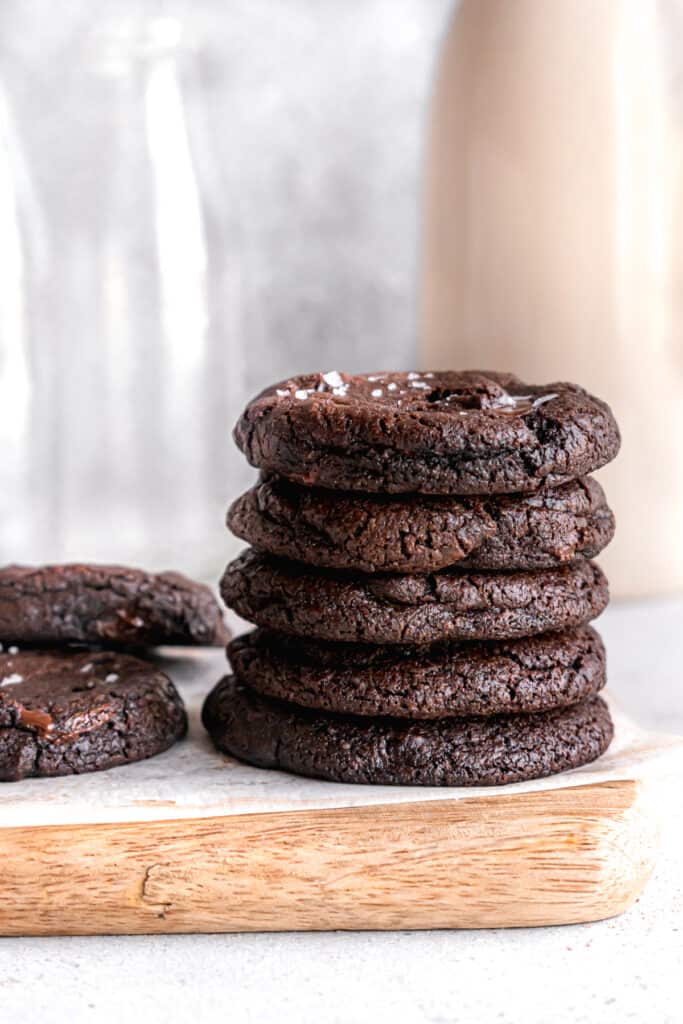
(554, 232)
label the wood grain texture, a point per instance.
(554, 857)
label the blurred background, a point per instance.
(199, 198)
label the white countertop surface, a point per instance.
(629, 968)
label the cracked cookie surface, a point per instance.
(449, 605)
(106, 604)
(68, 713)
(428, 681)
(470, 432)
(424, 533)
(388, 751)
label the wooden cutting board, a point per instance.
(568, 855)
(194, 842)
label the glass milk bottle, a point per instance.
(121, 348)
(554, 232)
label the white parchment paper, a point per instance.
(192, 780)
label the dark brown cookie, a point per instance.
(472, 678)
(448, 605)
(471, 432)
(388, 751)
(67, 713)
(421, 533)
(105, 604)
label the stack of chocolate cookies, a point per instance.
(73, 698)
(421, 577)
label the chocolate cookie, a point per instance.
(106, 604)
(474, 678)
(448, 605)
(67, 713)
(387, 751)
(410, 533)
(472, 432)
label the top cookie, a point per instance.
(105, 604)
(470, 432)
